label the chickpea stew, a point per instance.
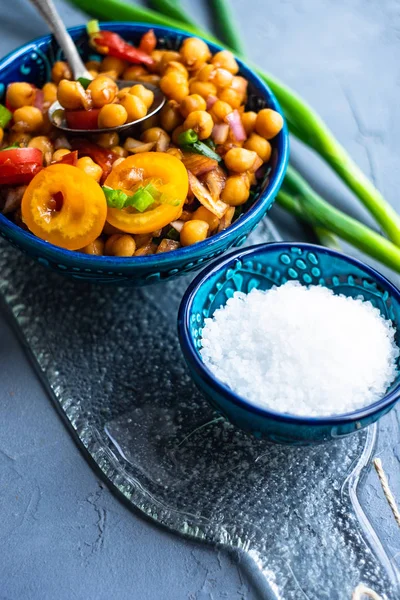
(181, 179)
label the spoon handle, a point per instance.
(53, 20)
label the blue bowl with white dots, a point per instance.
(263, 267)
(32, 62)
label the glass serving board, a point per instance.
(111, 361)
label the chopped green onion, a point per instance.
(210, 143)
(187, 137)
(93, 27)
(115, 198)
(12, 147)
(200, 148)
(141, 199)
(173, 234)
(5, 116)
(84, 81)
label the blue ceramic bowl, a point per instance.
(32, 62)
(270, 265)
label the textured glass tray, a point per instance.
(111, 361)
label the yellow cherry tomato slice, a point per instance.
(172, 181)
(64, 206)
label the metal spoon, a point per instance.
(53, 20)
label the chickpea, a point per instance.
(236, 190)
(203, 88)
(239, 84)
(120, 151)
(120, 245)
(143, 93)
(152, 121)
(220, 110)
(107, 140)
(167, 57)
(170, 116)
(175, 152)
(49, 92)
(28, 119)
(203, 214)
(192, 103)
(92, 169)
(260, 145)
(193, 231)
(268, 123)
(19, 137)
(158, 135)
(95, 248)
(133, 72)
(175, 86)
(93, 73)
(156, 55)
(134, 106)
(176, 133)
(113, 75)
(176, 66)
(58, 154)
(1, 135)
(202, 123)
(231, 97)
(239, 159)
(151, 78)
(109, 63)
(194, 52)
(103, 90)
(43, 143)
(60, 70)
(71, 94)
(112, 115)
(20, 94)
(222, 78)
(249, 121)
(225, 60)
(93, 65)
(205, 73)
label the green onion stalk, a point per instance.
(303, 121)
(300, 199)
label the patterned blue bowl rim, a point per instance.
(195, 362)
(252, 215)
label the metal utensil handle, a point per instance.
(53, 20)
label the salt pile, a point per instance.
(303, 351)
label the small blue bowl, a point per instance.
(32, 62)
(262, 267)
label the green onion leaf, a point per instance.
(210, 143)
(173, 234)
(115, 198)
(12, 147)
(84, 81)
(141, 200)
(93, 27)
(5, 116)
(201, 148)
(187, 137)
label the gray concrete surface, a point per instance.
(62, 534)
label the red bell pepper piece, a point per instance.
(18, 166)
(108, 42)
(148, 41)
(69, 159)
(103, 157)
(82, 119)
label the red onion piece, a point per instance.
(177, 225)
(260, 172)
(220, 133)
(211, 100)
(236, 125)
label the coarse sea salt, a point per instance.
(301, 350)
